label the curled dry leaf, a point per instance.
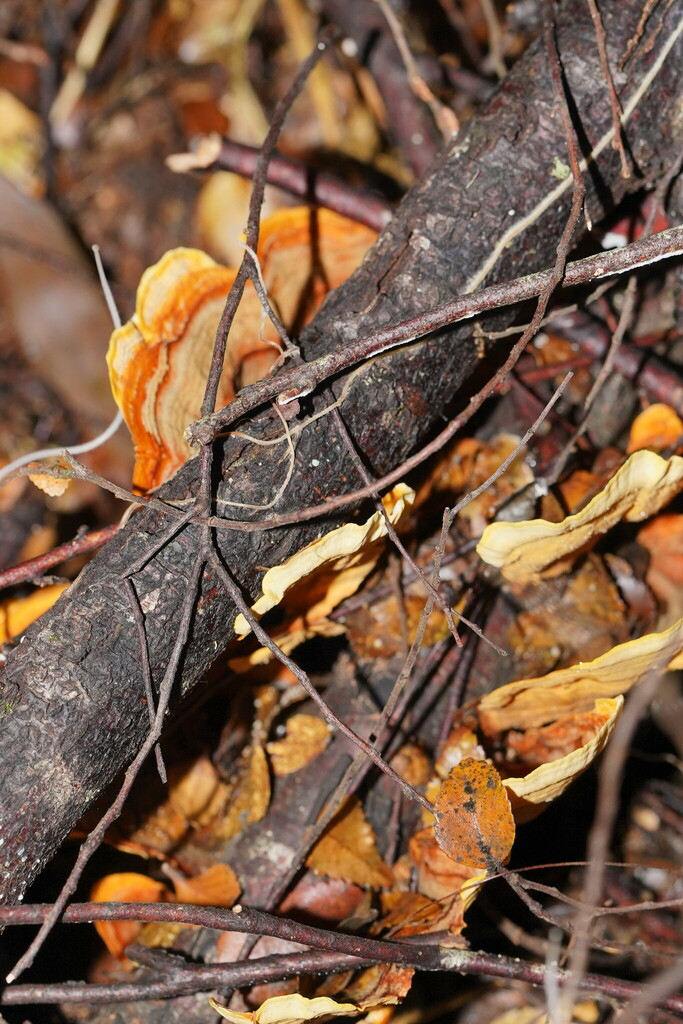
(53, 486)
(663, 538)
(656, 427)
(379, 985)
(348, 850)
(530, 794)
(250, 796)
(523, 551)
(441, 877)
(314, 580)
(306, 736)
(158, 361)
(216, 887)
(532, 702)
(196, 791)
(17, 614)
(291, 1009)
(125, 887)
(474, 822)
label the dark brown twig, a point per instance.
(302, 380)
(302, 677)
(252, 231)
(618, 140)
(247, 920)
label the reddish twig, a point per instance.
(311, 185)
(33, 568)
(421, 956)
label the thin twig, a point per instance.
(252, 231)
(33, 568)
(601, 39)
(606, 808)
(139, 621)
(302, 677)
(444, 118)
(421, 956)
(300, 381)
(314, 186)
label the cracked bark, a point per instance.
(72, 691)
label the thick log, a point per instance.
(492, 208)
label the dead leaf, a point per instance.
(474, 823)
(440, 877)
(580, 616)
(250, 796)
(579, 487)
(291, 1009)
(70, 355)
(17, 614)
(314, 580)
(530, 794)
(663, 538)
(348, 850)
(196, 791)
(306, 736)
(21, 145)
(540, 745)
(656, 427)
(461, 743)
(523, 551)
(125, 887)
(327, 899)
(530, 702)
(468, 465)
(216, 887)
(53, 486)
(372, 629)
(379, 985)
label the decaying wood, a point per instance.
(491, 209)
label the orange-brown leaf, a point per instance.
(125, 887)
(216, 887)
(250, 796)
(439, 876)
(306, 737)
(17, 614)
(657, 427)
(348, 850)
(474, 823)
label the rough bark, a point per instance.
(72, 691)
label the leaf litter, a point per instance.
(529, 736)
